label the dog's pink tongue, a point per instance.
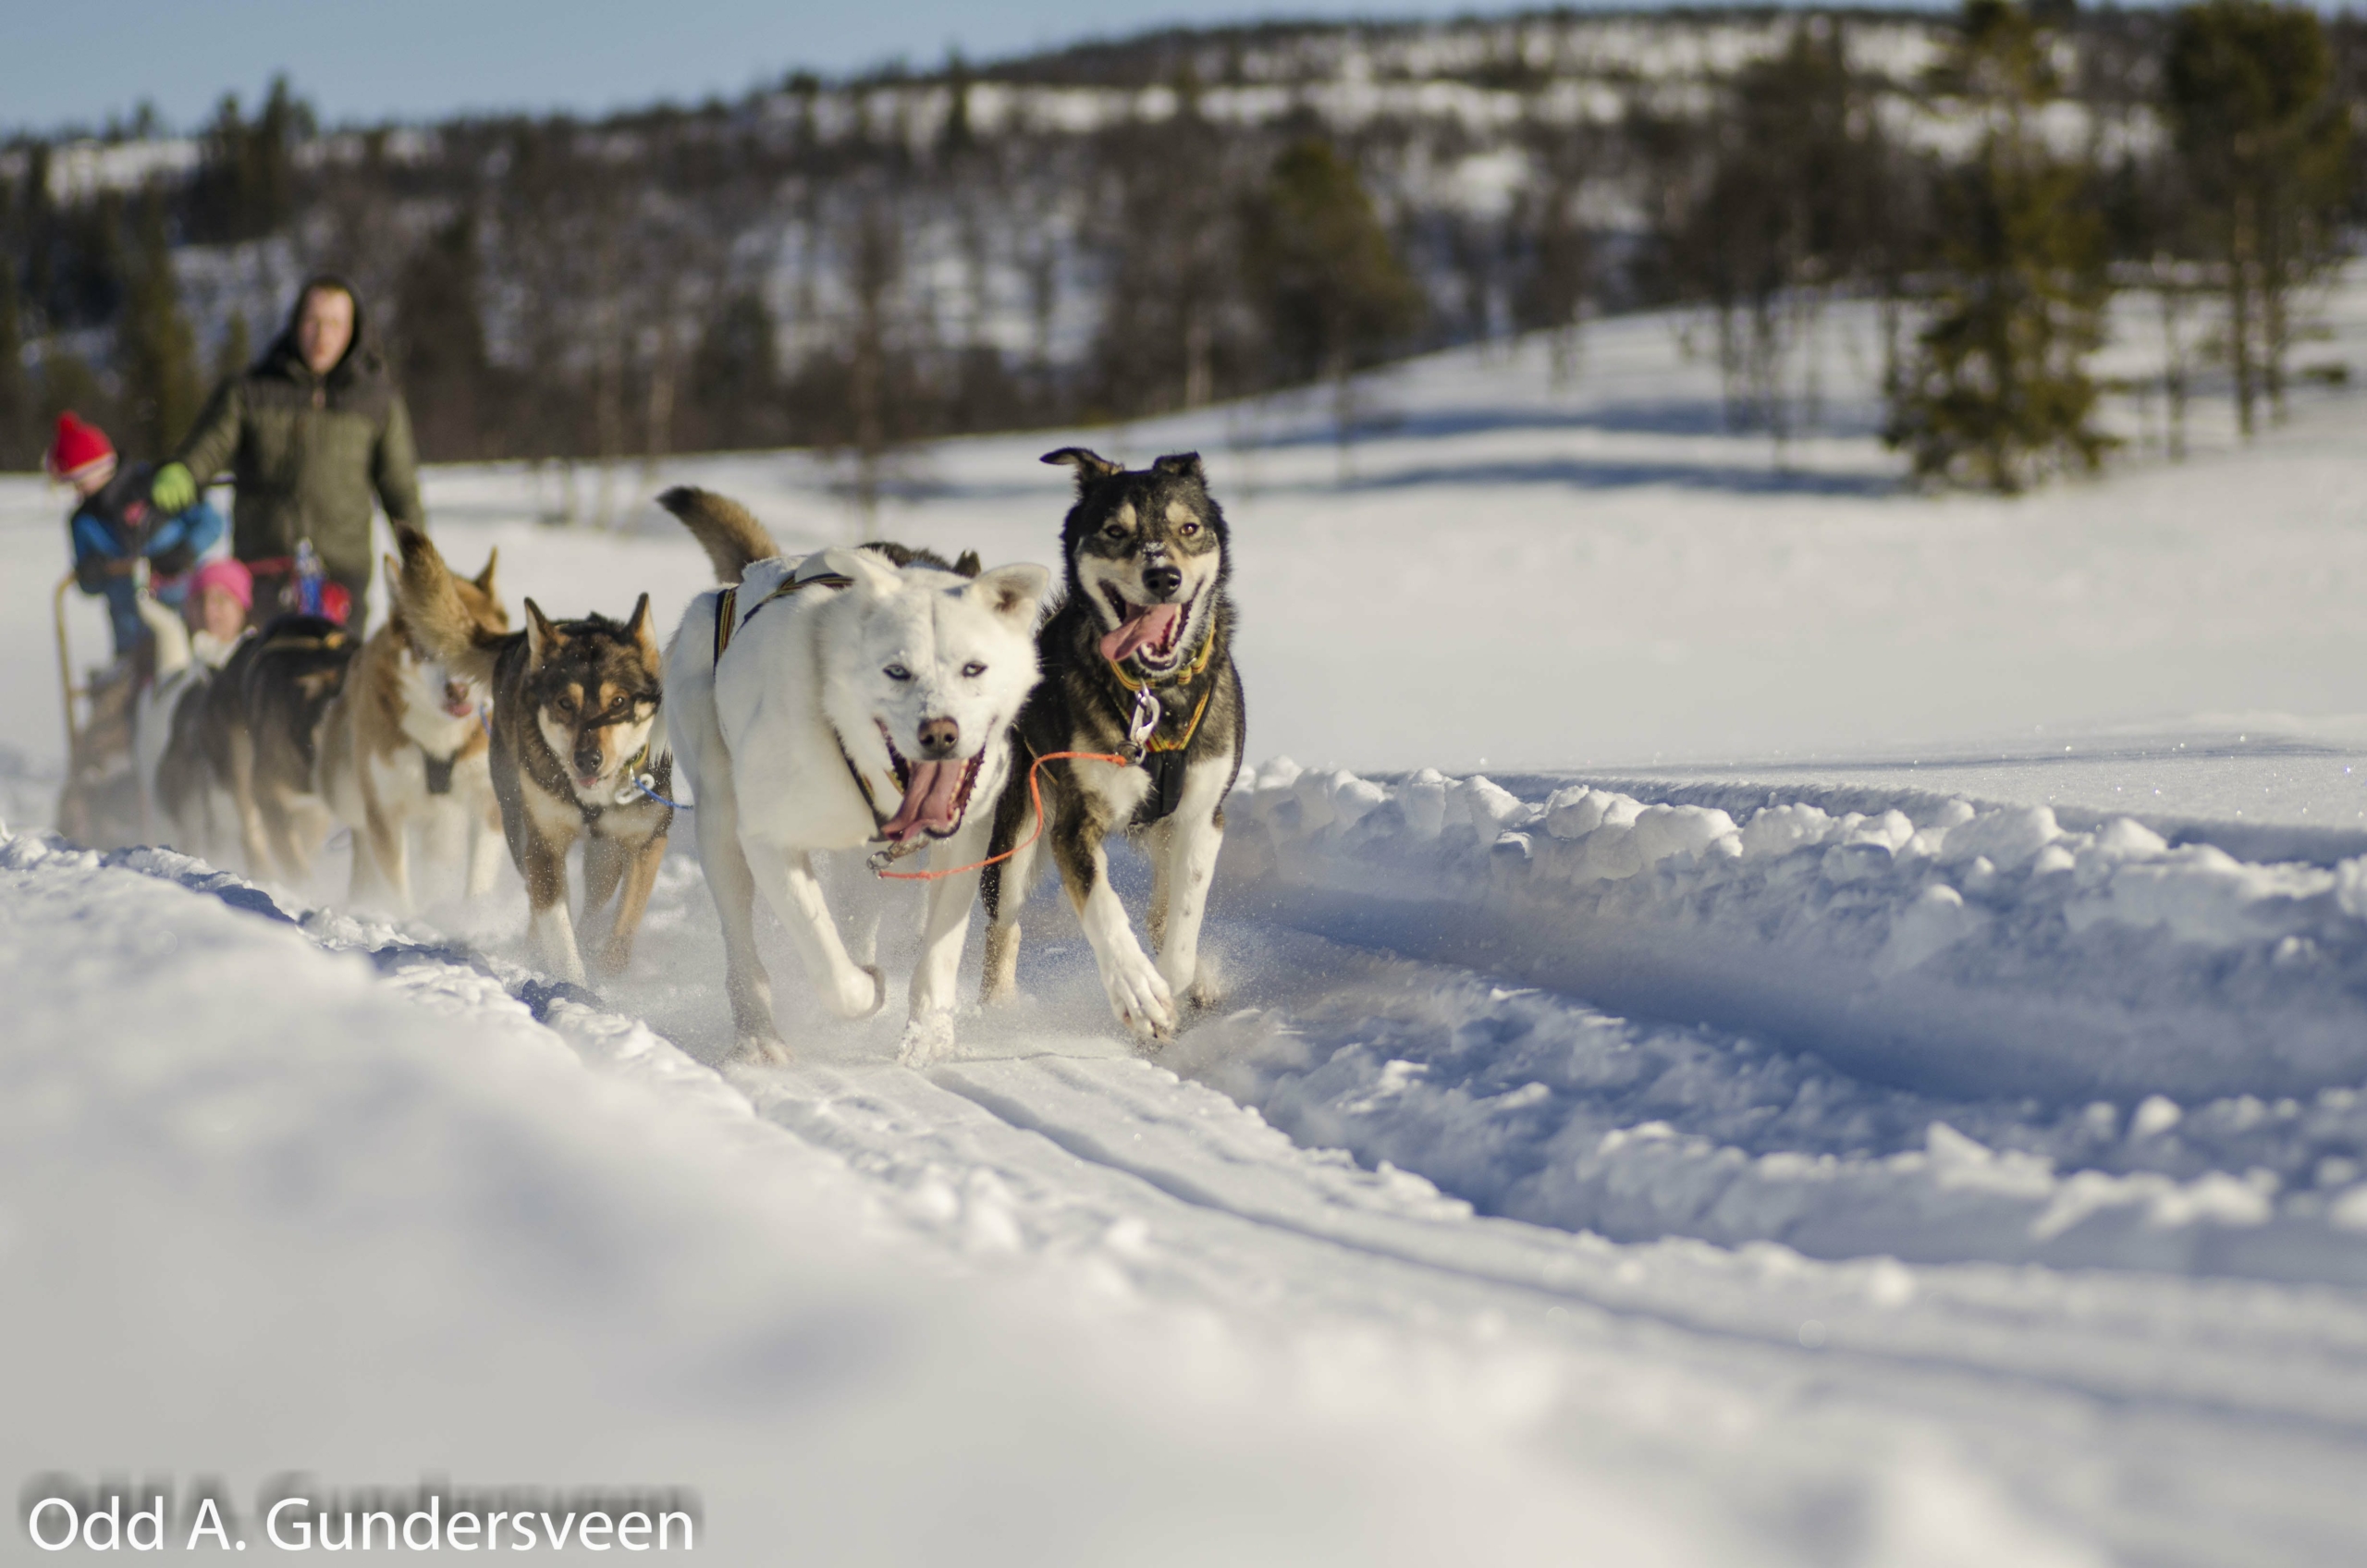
(1151, 624)
(929, 800)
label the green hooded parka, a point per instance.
(308, 452)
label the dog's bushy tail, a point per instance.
(432, 608)
(732, 536)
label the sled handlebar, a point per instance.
(65, 663)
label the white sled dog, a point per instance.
(855, 699)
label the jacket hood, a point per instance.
(361, 359)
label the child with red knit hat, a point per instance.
(115, 524)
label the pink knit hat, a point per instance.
(231, 577)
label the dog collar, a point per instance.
(862, 785)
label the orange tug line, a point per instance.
(1035, 796)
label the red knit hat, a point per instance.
(78, 446)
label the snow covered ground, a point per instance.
(1874, 1073)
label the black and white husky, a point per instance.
(857, 700)
(1137, 663)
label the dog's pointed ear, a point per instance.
(642, 630)
(541, 635)
(484, 577)
(1184, 465)
(394, 578)
(1089, 466)
(1014, 593)
(967, 564)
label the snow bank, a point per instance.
(1533, 1106)
(1937, 944)
(1961, 1029)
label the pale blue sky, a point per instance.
(77, 62)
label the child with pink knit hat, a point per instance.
(221, 595)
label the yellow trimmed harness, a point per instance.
(1199, 666)
(727, 621)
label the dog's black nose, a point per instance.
(1163, 580)
(939, 737)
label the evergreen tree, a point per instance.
(79, 263)
(21, 434)
(238, 351)
(735, 391)
(1322, 274)
(1554, 255)
(1998, 393)
(68, 382)
(1168, 238)
(2264, 140)
(956, 140)
(440, 346)
(156, 350)
(1790, 209)
(245, 187)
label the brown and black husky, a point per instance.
(406, 742)
(1137, 662)
(577, 751)
(258, 728)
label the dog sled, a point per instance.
(98, 803)
(103, 803)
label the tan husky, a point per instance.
(407, 743)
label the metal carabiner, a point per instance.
(1141, 725)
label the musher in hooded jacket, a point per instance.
(309, 433)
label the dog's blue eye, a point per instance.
(973, 669)
(898, 672)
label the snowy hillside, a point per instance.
(1772, 1019)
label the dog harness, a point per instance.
(727, 619)
(728, 622)
(1163, 760)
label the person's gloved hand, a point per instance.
(174, 489)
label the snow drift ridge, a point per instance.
(1938, 945)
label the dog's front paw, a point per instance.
(862, 992)
(927, 1039)
(1140, 998)
(761, 1051)
(1196, 991)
